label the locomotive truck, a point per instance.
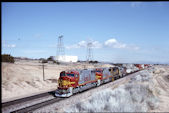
(74, 81)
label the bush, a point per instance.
(7, 58)
(56, 62)
(96, 62)
(129, 97)
(50, 58)
(93, 62)
(41, 59)
(44, 61)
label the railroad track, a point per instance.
(33, 107)
(36, 106)
(19, 102)
(6, 104)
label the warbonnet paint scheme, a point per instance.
(74, 81)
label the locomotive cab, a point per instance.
(67, 81)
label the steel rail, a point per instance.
(36, 106)
(17, 101)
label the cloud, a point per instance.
(136, 4)
(10, 45)
(97, 44)
(113, 43)
(82, 44)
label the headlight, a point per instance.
(65, 82)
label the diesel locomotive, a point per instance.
(73, 81)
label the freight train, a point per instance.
(74, 81)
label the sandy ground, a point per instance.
(25, 78)
(161, 85)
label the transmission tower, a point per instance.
(60, 49)
(89, 51)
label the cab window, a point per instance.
(98, 71)
(62, 74)
(115, 69)
(72, 75)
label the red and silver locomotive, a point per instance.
(74, 81)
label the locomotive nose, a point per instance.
(63, 82)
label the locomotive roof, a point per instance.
(78, 70)
(71, 71)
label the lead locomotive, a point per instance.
(74, 81)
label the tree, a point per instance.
(7, 58)
(50, 58)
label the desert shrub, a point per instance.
(56, 62)
(44, 61)
(41, 59)
(50, 58)
(7, 58)
(130, 97)
(93, 62)
(96, 62)
(126, 98)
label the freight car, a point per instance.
(146, 65)
(74, 81)
(139, 66)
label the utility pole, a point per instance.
(60, 49)
(43, 72)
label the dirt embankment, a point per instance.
(161, 84)
(26, 78)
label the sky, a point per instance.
(126, 32)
